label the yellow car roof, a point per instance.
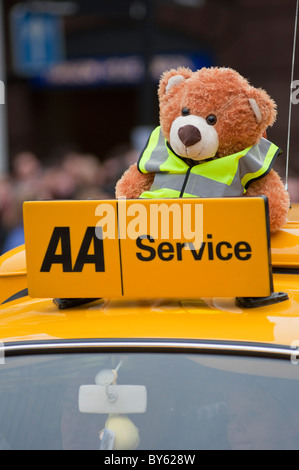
(28, 319)
(24, 318)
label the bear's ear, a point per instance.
(255, 108)
(263, 107)
(172, 78)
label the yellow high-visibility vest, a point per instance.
(228, 176)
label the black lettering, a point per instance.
(179, 247)
(60, 234)
(243, 247)
(97, 258)
(219, 252)
(167, 251)
(197, 255)
(139, 243)
(165, 248)
(210, 247)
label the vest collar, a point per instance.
(189, 161)
(192, 163)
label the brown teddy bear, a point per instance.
(210, 143)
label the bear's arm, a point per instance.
(133, 183)
(279, 201)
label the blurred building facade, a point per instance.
(58, 110)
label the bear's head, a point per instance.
(212, 112)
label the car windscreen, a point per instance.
(148, 401)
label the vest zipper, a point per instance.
(185, 181)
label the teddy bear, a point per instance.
(211, 142)
(125, 433)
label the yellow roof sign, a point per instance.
(148, 248)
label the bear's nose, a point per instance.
(189, 135)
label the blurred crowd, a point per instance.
(73, 175)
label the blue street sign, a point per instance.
(37, 40)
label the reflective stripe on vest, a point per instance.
(223, 177)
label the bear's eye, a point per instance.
(211, 120)
(185, 112)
